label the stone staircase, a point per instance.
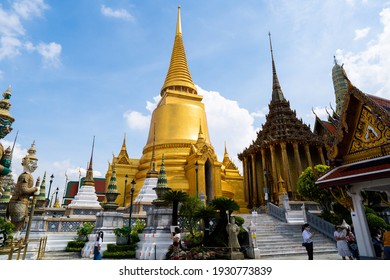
(275, 238)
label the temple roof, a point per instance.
(282, 124)
(384, 103)
(367, 170)
(178, 77)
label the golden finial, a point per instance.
(178, 77)
(178, 25)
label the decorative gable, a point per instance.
(370, 132)
(123, 160)
(364, 129)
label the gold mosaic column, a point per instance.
(285, 165)
(255, 197)
(297, 158)
(321, 154)
(246, 182)
(307, 151)
(274, 171)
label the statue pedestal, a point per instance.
(108, 221)
(156, 237)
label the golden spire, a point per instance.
(178, 77)
(123, 152)
(124, 143)
(201, 138)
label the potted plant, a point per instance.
(122, 235)
(84, 231)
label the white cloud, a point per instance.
(119, 13)
(136, 120)
(369, 68)
(260, 113)
(10, 24)
(228, 123)
(12, 33)
(9, 47)
(150, 106)
(50, 53)
(361, 33)
(29, 8)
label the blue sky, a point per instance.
(84, 68)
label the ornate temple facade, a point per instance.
(359, 154)
(179, 130)
(284, 147)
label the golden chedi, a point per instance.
(179, 130)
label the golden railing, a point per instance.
(17, 250)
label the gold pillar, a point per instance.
(297, 158)
(321, 154)
(254, 187)
(246, 182)
(264, 177)
(307, 151)
(285, 165)
(274, 171)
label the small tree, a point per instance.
(188, 210)
(310, 191)
(206, 213)
(175, 197)
(224, 205)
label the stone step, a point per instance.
(276, 238)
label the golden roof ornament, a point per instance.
(6, 119)
(30, 161)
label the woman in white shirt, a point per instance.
(98, 245)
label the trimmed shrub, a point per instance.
(75, 246)
(120, 251)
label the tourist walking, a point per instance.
(340, 235)
(307, 236)
(377, 242)
(97, 255)
(352, 244)
(386, 245)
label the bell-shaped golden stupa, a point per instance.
(179, 131)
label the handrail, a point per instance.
(42, 248)
(321, 225)
(277, 212)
